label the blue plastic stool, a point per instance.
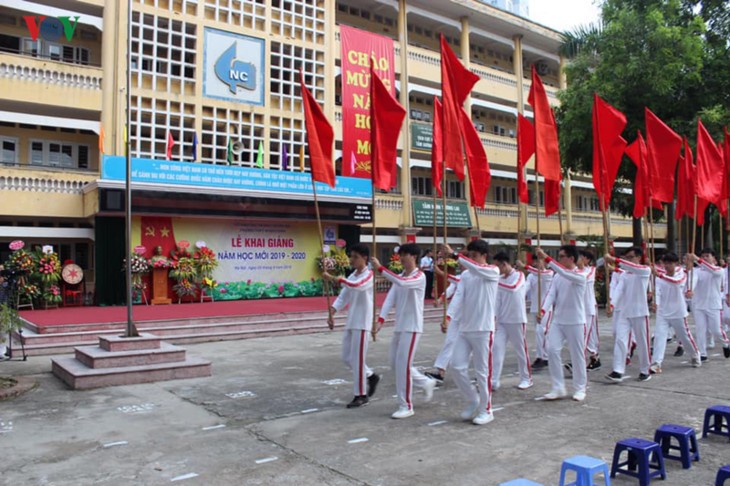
(688, 450)
(717, 421)
(585, 468)
(520, 482)
(644, 456)
(723, 474)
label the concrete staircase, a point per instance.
(124, 361)
(64, 339)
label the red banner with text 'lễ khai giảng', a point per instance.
(359, 50)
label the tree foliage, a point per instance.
(668, 55)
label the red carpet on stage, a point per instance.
(141, 313)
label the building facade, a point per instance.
(216, 83)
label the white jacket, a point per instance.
(406, 294)
(357, 292)
(545, 277)
(616, 289)
(636, 284)
(670, 302)
(511, 299)
(590, 293)
(475, 297)
(566, 295)
(706, 287)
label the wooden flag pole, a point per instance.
(435, 253)
(373, 331)
(560, 218)
(537, 228)
(446, 235)
(325, 284)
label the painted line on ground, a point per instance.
(357, 441)
(112, 444)
(310, 410)
(439, 422)
(184, 476)
(213, 427)
(266, 459)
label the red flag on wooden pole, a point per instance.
(709, 166)
(437, 151)
(636, 151)
(456, 83)
(685, 184)
(663, 147)
(525, 150)
(552, 197)
(476, 158)
(320, 138)
(608, 148)
(547, 149)
(386, 118)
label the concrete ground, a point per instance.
(273, 413)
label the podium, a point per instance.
(159, 287)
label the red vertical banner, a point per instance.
(360, 49)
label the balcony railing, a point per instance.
(15, 66)
(35, 179)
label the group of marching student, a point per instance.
(486, 309)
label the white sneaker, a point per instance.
(556, 394)
(655, 368)
(470, 411)
(402, 412)
(696, 363)
(525, 384)
(579, 396)
(483, 418)
(428, 388)
(495, 385)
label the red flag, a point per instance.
(456, 83)
(709, 166)
(547, 150)
(525, 150)
(685, 184)
(170, 143)
(637, 153)
(437, 152)
(386, 118)
(552, 197)
(320, 137)
(663, 146)
(608, 148)
(701, 207)
(476, 158)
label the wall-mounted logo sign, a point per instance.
(51, 28)
(234, 67)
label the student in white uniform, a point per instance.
(475, 302)
(452, 330)
(357, 293)
(566, 301)
(406, 294)
(706, 295)
(546, 277)
(671, 311)
(511, 322)
(634, 315)
(427, 267)
(585, 264)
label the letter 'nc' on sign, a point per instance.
(235, 73)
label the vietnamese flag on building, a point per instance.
(170, 144)
(320, 138)
(547, 149)
(608, 148)
(525, 150)
(456, 84)
(386, 119)
(359, 49)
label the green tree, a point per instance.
(643, 53)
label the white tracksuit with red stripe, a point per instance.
(546, 278)
(565, 303)
(707, 304)
(357, 293)
(592, 341)
(511, 325)
(634, 317)
(406, 294)
(475, 302)
(672, 312)
(444, 357)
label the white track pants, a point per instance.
(447, 350)
(354, 353)
(708, 321)
(402, 351)
(628, 329)
(662, 332)
(540, 332)
(574, 335)
(592, 340)
(479, 345)
(515, 334)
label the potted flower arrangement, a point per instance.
(205, 263)
(185, 272)
(23, 263)
(394, 264)
(140, 267)
(335, 262)
(48, 273)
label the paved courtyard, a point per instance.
(273, 413)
